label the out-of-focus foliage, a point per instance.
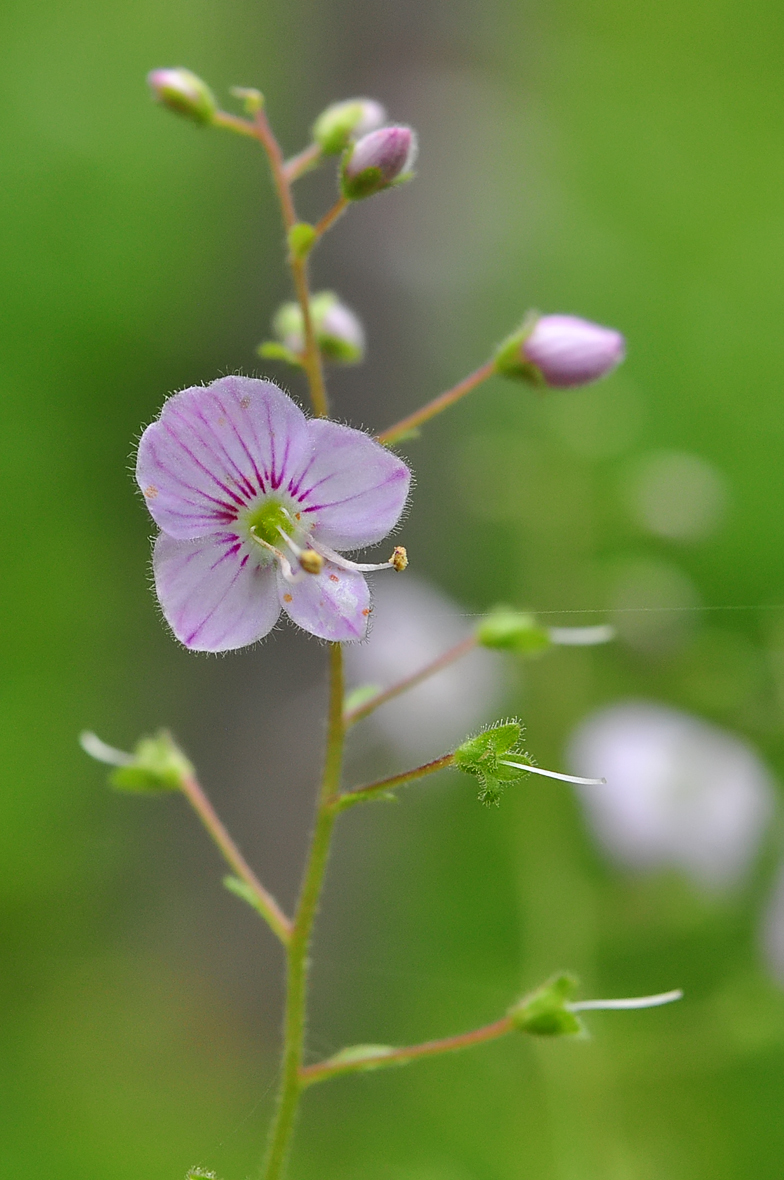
(609, 159)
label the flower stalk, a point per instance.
(450, 656)
(297, 959)
(444, 400)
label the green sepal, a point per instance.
(157, 764)
(335, 125)
(509, 359)
(359, 696)
(482, 756)
(404, 436)
(545, 1012)
(355, 1055)
(273, 350)
(511, 630)
(301, 239)
(369, 182)
(240, 889)
(252, 100)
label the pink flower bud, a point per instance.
(570, 351)
(183, 92)
(378, 160)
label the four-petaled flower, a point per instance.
(256, 504)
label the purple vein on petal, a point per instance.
(393, 478)
(243, 444)
(224, 488)
(241, 478)
(198, 492)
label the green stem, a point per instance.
(297, 977)
(265, 902)
(311, 356)
(384, 785)
(332, 1068)
(388, 694)
(438, 404)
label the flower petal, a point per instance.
(215, 593)
(334, 604)
(353, 489)
(214, 449)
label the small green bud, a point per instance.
(301, 238)
(484, 757)
(512, 630)
(546, 1012)
(343, 121)
(183, 92)
(252, 100)
(339, 333)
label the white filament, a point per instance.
(581, 636)
(636, 1002)
(343, 562)
(566, 778)
(92, 745)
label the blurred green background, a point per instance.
(618, 160)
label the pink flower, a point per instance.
(256, 504)
(570, 351)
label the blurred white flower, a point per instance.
(773, 930)
(412, 624)
(679, 792)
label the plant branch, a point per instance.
(268, 907)
(438, 404)
(311, 356)
(330, 217)
(384, 785)
(298, 165)
(235, 123)
(388, 694)
(334, 1066)
(297, 977)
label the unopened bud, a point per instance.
(339, 333)
(377, 161)
(512, 630)
(344, 121)
(562, 351)
(183, 92)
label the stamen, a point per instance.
(582, 636)
(285, 565)
(566, 778)
(637, 1002)
(397, 561)
(310, 561)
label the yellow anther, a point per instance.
(399, 559)
(311, 561)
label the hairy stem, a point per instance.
(298, 165)
(388, 694)
(297, 977)
(332, 1068)
(330, 217)
(384, 785)
(267, 905)
(311, 356)
(438, 404)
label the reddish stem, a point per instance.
(438, 404)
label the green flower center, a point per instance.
(267, 520)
